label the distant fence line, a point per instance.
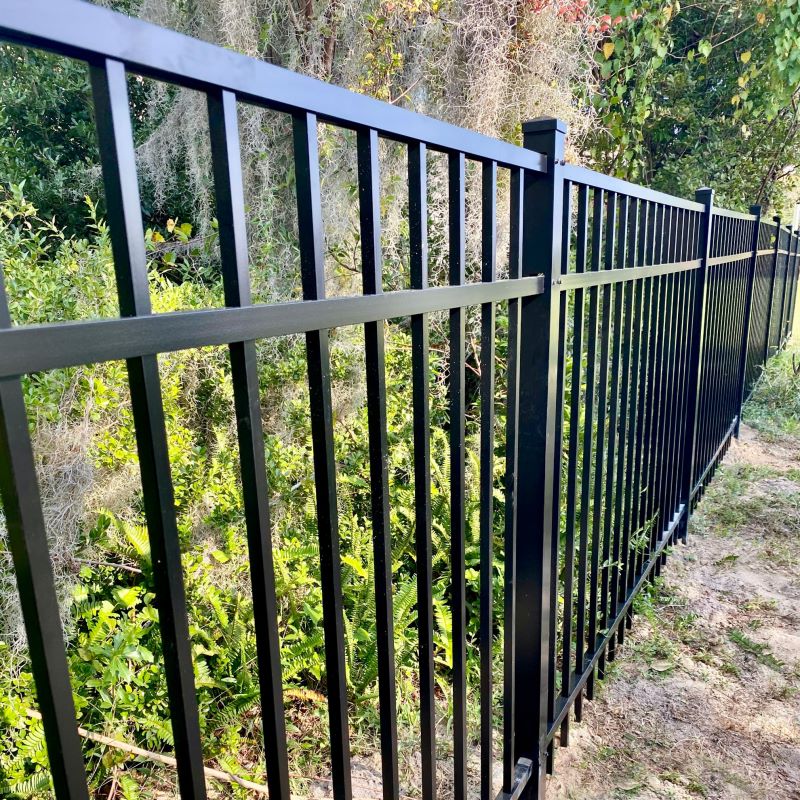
(638, 323)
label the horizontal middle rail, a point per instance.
(34, 348)
(725, 212)
(579, 280)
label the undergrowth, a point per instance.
(774, 407)
(101, 551)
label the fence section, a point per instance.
(637, 322)
(727, 280)
(630, 261)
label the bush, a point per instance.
(101, 552)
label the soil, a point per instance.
(704, 699)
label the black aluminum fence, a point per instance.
(638, 323)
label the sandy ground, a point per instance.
(705, 700)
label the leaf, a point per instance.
(127, 597)
(218, 555)
(355, 565)
(704, 47)
(662, 665)
(745, 57)
(170, 225)
(139, 653)
(608, 50)
(304, 694)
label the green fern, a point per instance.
(35, 785)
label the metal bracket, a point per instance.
(522, 774)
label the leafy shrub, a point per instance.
(114, 648)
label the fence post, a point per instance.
(782, 310)
(748, 310)
(787, 285)
(706, 197)
(771, 296)
(538, 355)
(793, 293)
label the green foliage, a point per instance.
(47, 132)
(47, 135)
(114, 649)
(774, 407)
(636, 42)
(701, 94)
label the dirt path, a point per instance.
(705, 701)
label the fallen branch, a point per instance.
(215, 774)
(170, 761)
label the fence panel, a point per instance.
(757, 339)
(629, 262)
(728, 270)
(637, 322)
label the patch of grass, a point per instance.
(762, 604)
(695, 787)
(774, 408)
(649, 604)
(793, 474)
(729, 668)
(760, 651)
(718, 661)
(785, 692)
(744, 500)
(608, 753)
(782, 552)
(692, 785)
(728, 511)
(685, 621)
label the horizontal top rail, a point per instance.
(726, 212)
(597, 180)
(34, 348)
(80, 30)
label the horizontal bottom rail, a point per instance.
(578, 682)
(522, 774)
